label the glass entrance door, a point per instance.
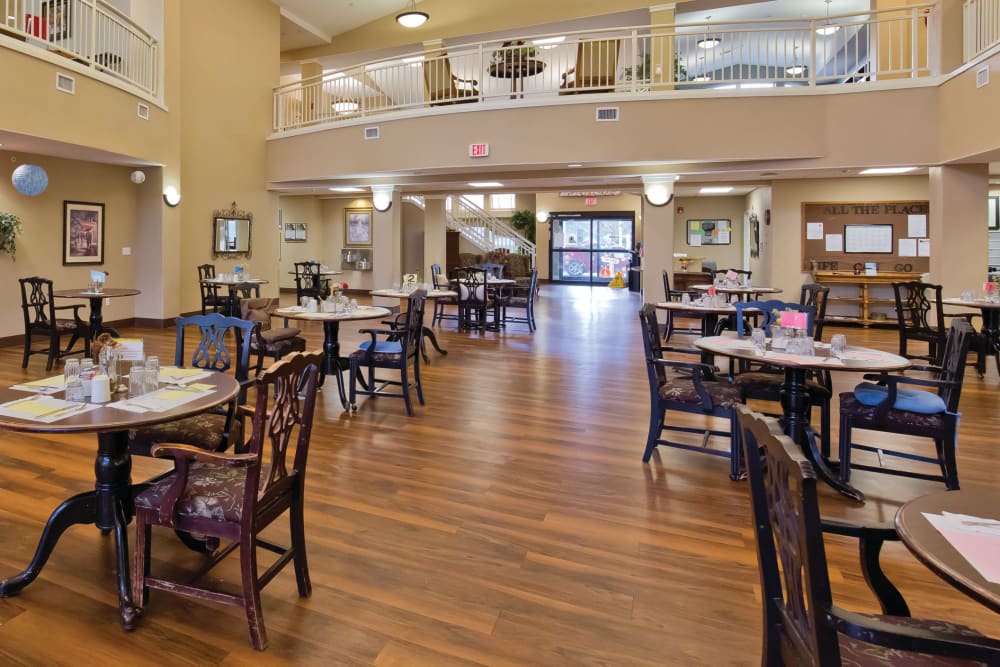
(591, 249)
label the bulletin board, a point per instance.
(893, 234)
(709, 232)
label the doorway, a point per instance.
(591, 248)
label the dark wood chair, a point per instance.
(669, 329)
(398, 351)
(268, 341)
(236, 496)
(214, 430)
(924, 414)
(519, 298)
(802, 625)
(693, 392)
(210, 297)
(41, 320)
(475, 300)
(816, 295)
(920, 318)
(441, 310)
(308, 282)
(742, 276)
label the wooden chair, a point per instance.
(210, 297)
(217, 429)
(693, 392)
(888, 408)
(399, 351)
(802, 625)
(474, 297)
(441, 311)
(308, 282)
(676, 295)
(41, 320)
(596, 68)
(236, 496)
(268, 341)
(920, 318)
(443, 87)
(519, 298)
(816, 295)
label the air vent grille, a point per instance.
(982, 76)
(371, 132)
(606, 114)
(65, 83)
(143, 111)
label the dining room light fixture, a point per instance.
(881, 171)
(346, 189)
(709, 43)
(486, 184)
(795, 70)
(542, 216)
(345, 106)
(658, 189)
(382, 197)
(171, 196)
(827, 28)
(411, 18)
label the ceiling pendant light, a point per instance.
(827, 28)
(411, 18)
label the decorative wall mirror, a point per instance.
(231, 233)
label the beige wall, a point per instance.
(710, 208)
(305, 209)
(759, 202)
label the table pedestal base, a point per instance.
(108, 506)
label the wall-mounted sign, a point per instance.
(591, 201)
(479, 150)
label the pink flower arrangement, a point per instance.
(336, 287)
(989, 287)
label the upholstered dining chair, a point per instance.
(236, 496)
(669, 329)
(802, 625)
(441, 310)
(217, 429)
(210, 297)
(691, 392)
(268, 341)
(888, 407)
(41, 320)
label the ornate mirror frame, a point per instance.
(231, 213)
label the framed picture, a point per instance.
(754, 236)
(57, 19)
(83, 232)
(295, 232)
(994, 209)
(358, 227)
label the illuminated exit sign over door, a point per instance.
(591, 201)
(479, 150)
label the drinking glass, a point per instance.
(968, 296)
(778, 339)
(354, 305)
(136, 381)
(759, 339)
(71, 369)
(71, 377)
(838, 345)
(685, 298)
(153, 364)
(150, 380)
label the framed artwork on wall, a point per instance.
(296, 232)
(83, 233)
(994, 209)
(357, 227)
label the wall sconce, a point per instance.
(658, 189)
(542, 216)
(138, 177)
(382, 197)
(171, 196)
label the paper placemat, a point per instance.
(175, 375)
(44, 409)
(168, 398)
(975, 538)
(43, 386)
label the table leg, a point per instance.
(991, 334)
(429, 334)
(108, 506)
(334, 364)
(795, 406)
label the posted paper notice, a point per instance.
(834, 242)
(814, 231)
(923, 247)
(907, 248)
(916, 225)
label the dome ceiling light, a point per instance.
(411, 18)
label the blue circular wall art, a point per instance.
(29, 179)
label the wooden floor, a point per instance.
(510, 522)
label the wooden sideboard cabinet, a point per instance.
(681, 281)
(861, 299)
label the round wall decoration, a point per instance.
(29, 179)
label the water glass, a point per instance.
(150, 380)
(838, 345)
(685, 298)
(153, 364)
(968, 296)
(136, 381)
(353, 305)
(71, 370)
(778, 339)
(759, 339)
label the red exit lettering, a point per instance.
(479, 150)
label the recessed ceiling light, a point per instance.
(716, 190)
(346, 189)
(575, 164)
(486, 184)
(709, 43)
(549, 40)
(886, 170)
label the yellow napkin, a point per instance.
(32, 408)
(181, 372)
(55, 381)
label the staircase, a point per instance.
(480, 228)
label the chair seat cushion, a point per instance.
(68, 325)
(858, 653)
(212, 492)
(682, 391)
(756, 384)
(903, 421)
(278, 333)
(383, 346)
(378, 358)
(911, 400)
(203, 430)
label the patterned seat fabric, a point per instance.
(683, 391)
(855, 653)
(212, 492)
(762, 382)
(377, 357)
(203, 430)
(913, 422)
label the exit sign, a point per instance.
(591, 201)
(479, 150)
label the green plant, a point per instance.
(524, 223)
(10, 227)
(644, 69)
(512, 50)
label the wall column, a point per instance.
(435, 228)
(658, 248)
(957, 226)
(387, 248)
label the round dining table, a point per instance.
(432, 294)
(96, 300)
(710, 314)
(333, 362)
(741, 292)
(933, 549)
(990, 329)
(795, 402)
(109, 505)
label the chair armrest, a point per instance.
(458, 79)
(75, 308)
(870, 540)
(375, 332)
(183, 456)
(918, 640)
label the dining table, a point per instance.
(974, 527)
(517, 69)
(318, 276)
(109, 505)
(795, 402)
(432, 294)
(96, 300)
(710, 313)
(233, 309)
(990, 330)
(333, 363)
(741, 292)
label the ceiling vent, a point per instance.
(607, 114)
(65, 83)
(982, 76)
(371, 132)
(143, 111)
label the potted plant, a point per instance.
(644, 69)
(524, 223)
(514, 50)
(10, 227)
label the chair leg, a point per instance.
(845, 449)
(298, 536)
(251, 592)
(416, 382)
(736, 469)
(140, 562)
(949, 466)
(352, 400)
(668, 327)
(27, 350)
(53, 352)
(824, 425)
(405, 386)
(656, 418)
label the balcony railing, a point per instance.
(634, 61)
(90, 32)
(981, 23)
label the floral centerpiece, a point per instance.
(337, 289)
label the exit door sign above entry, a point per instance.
(479, 150)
